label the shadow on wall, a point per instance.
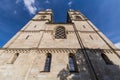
(102, 67)
(63, 74)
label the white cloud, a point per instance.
(70, 3)
(117, 45)
(30, 5)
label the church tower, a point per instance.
(44, 50)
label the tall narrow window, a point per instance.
(27, 37)
(72, 63)
(106, 59)
(60, 33)
(14, 58)
(91, 37)
(48, 63)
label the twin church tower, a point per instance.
(44, 50)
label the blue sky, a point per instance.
(105, 14)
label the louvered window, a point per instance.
(60, 33)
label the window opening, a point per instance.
(47, 63)
(14, 58)
(72, 63)
(78, 18)
(91, 37)
(106, 59)
(60, 33)
(27, 37)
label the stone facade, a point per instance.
(24, 56)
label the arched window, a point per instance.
(72, 63)
(106, 59)
(78, 18)
(48, 63)
(60, 33)
(14, 58)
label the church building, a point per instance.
(45, 50)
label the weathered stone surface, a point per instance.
(24, 56)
